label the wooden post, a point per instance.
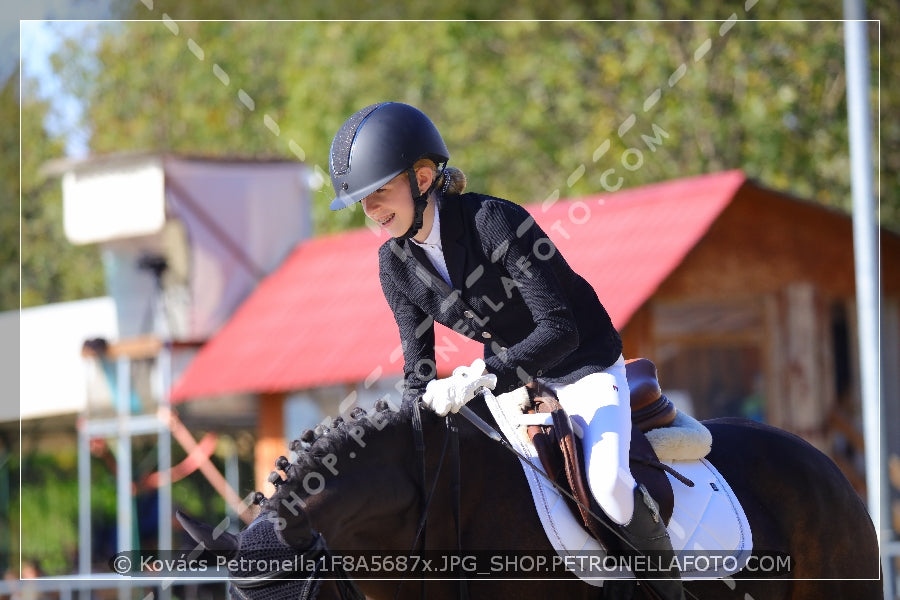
(270, 442)
(774, 351)
(806, 380)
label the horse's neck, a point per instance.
(361, 493)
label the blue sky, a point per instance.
(32, 34)
(39, 39)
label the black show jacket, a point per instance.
(511, 290)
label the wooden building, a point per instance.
(759, 320)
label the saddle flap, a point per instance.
(573, 459)
(561, 454)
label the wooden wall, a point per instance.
(793, 261)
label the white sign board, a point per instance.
(115, 200)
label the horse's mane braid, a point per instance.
(314, 444)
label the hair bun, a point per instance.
(454, 182)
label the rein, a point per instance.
(451, 440)
(485, 428)
(347, 588)
(319, 552)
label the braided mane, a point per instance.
(315, 445)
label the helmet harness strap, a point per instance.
(420, 201)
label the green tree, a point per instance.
(523, 104)
(529, 109)
(47, 501)
(9, 180)
(52, 269)
(31, 220)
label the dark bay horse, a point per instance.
(360, 485)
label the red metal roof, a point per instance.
(321, 319)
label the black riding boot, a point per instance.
(649, 550)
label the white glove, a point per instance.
(451, 393)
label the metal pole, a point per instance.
(123, 455)
(865, 243)
(232, 476)
(84, 500)
(164, 453)
(85, 545)
(5, 539)
(123, 461)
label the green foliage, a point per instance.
(885, 58)
(526, 107)
(478, 10)
(48, 501)
(9, 196)
(52, 269)
(530, 109)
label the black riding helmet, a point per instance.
(378, 143)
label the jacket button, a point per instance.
(486, 335)
(468, 314)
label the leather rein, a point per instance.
(451, 442)
(319, 552)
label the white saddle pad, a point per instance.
(708, 528)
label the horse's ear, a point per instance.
(222, 543)
(297, 531)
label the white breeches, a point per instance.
(600, 406)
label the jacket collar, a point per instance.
(452, 232)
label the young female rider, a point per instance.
(481, 266)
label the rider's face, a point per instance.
(391, 206)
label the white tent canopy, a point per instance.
(52, 375)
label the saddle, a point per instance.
(561, 455)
